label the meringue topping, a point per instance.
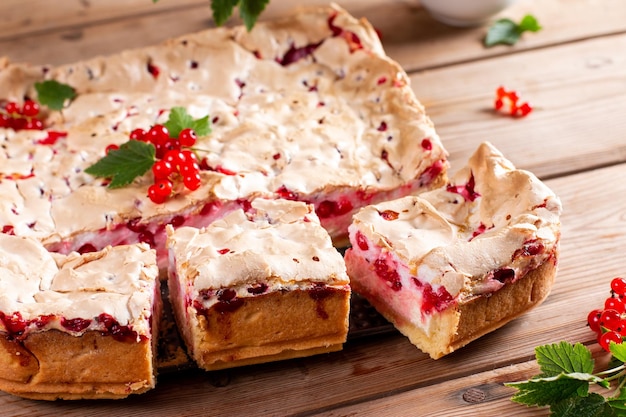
(491, 217)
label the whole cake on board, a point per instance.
(299, 123)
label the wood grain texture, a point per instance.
(573, 72)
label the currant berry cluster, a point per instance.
(24, 117)
(511, 97)
(609, 323)
(176, 162)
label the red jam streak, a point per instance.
(320, 292)
(433, 301)
(119, 332)
(466, 191)
(328, 208)
(16, 326)
(529, 248)
(388, 273)
(361, 241)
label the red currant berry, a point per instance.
(606, 338)
(593, 320)
(171, 144)
(524, 109)
(613, 303)
(610, 319)
(500, 92)
(111, 147)
(188, 168)
(158, 134)
(5, 121)
(189, 156)
(138, 134)
(161, 169)
(33, 124)
(18, 123)
(498, 104)
(513, 96)
(187, 137)
(12, 107)
(192, 181)
(618, 285)
(160, 191)
(146, 237)
(175, 157)
(30, 108)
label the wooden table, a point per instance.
(573, 72)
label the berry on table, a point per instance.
(609, 323)
(511, 97)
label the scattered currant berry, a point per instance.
(511, 97)
(187, 137)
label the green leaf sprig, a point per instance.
(567, 374)
(54, 94)
(506, 31)
(134, 158)
(249, 10)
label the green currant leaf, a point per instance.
(563, 357)
(54, 94)
(593, 405)
(506, 31)
(503, 31)
(222, 10)
(529, 24)
(618, 350)
(179, 119)
(133, 159)
(548, 391)
(249, 10)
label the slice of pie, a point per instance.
(258, 285)
(455, 263)
(77, 326)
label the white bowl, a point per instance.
(464, 12)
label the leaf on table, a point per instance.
(133, 159)
(547, 391)
(506, 31)
(563, 357)
(593, 405)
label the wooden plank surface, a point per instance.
(573, 72)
